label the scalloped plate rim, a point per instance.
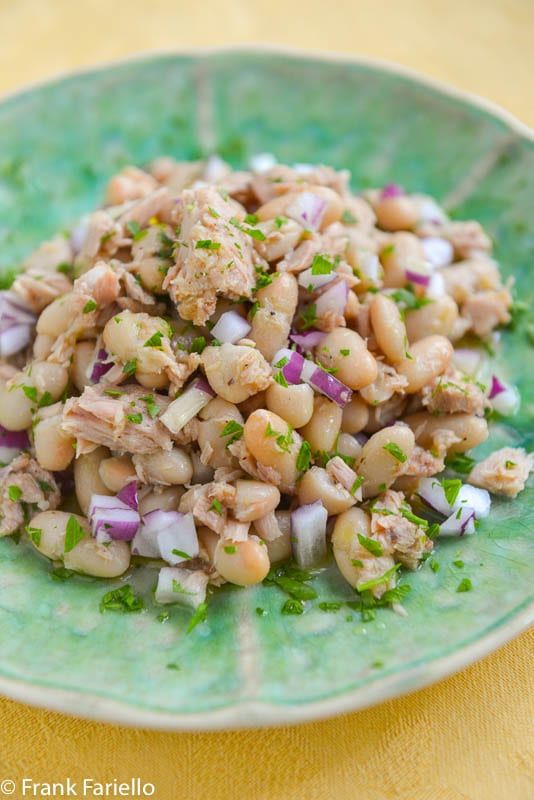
(248, 714)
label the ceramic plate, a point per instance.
(59, 143)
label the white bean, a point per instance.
(254, 499)
(273, 444)
(167, 467)
(469, 429)
(273, 316)
(323, 428)
(292, 403)
(355, 415)
(388, 328)
(87, 480)
(102, 561)
(316, 484)
(243, 563)
(81, 359)
(345, 351)
(383, 458)
(161, 499)
(54, 449)
(429, 357)
(116, 472)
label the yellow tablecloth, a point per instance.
(470, 737)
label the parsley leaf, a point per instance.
(216, 506)
(74, 534)
(151, 406)
(308, 317)
(348, 218)
(293, 607)
(460, 463)
(465, 585)
(207, 244)
(14, 493)
(451, 489)
(135, 419)
(130, 366)
(372, 546)
(122, 599)
(198, 344)
(200, 615)
(34, 534)
(89, 306)
(232, 429)
(304, 457)
(155, 340)
(394, 450)
(321, 265)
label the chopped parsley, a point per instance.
(407, 300)
(135, 229)
(174, 666)
(372, 546)
(136, 419)
(434, 565)
(198, 344)
(297, 589)
(89, 306)
(34, 534)
(179, 589)
(130, 367)
(279, 221)
(181, 554)
(329, 606)
(155, 340)
(261, 612)
(151, 406)
(308, 317)
(74, 534)
(45, 400)
(321, 265)
(304, 457)
(231, 549)
(345, 351)
(255, 307)
(44, 486)
(408, 514)
(114, 392)
(61, 574)
(458, 563)
(510, 464)
(465, 585)
(460, 463)
(394, 450)
(65, 268)
(379, 580)
(251, 219)
(284, 441)
(293, 607)
(356, 485)
(348, 217)
(216, 506)
(433, 531)
(280, 379)
(164, 616)
(14, 493)
(451, 488)
(122, 599)
(200, 615)
(255, 233)
(207, 244)
(30, 392)
(232, 429)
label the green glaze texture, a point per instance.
(59, 143)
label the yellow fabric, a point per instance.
(468, 738)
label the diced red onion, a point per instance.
(333, 300)
(391, 190)
(14, 339)
(101, 365)
(417, 277)
(183, 586)
(307, 341)
(438, 251)
(310, 281)
(370, 267)
(197, 395)
(180, 537)
(436, 286)
(145, 543)
(308, 534)
(430, 211)
(308, 209)
(117, 523)
(460, 523)
(14, 439)
(15, 309)
(507, 403)
(99, 501)
(432, 492)
(78, 235)
(262, 162)
(128, 495)
(299, 369)
(230, 327)
(467, 360)
(478, 500)
(496, 387)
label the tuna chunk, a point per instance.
(38, 289)
(100, 282)
(25, 489)
(486, 310)
(452, 394)
(503, 472)
(215, 256)
(423, 464)
(468, 238)
(236, 372)
(398, 535)
(116, 418)
(131, 183)
(209, 504)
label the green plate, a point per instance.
(58, 145)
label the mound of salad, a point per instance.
(227, 375)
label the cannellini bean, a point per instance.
(167, 467)
(254, 499)
(102, 561)
(161, 499)
(396, 213)
(272, 320)
(345, 351)
(152, 380)
(42, 346)
(126, 334)
(347, 445)
(278, 206)
(53, 527)
(81, 359)
(383, 458)
(61, 313)
(403, 252)
(280, 549)
(352, 308)
(345, 544)
(268, 451)
(150, 272)
(243, 563)
(54, 449)
(388, 328)
(437, 317)
(430, 357)
(235, 372)
(355, 415)
(87, 480)
(116, 472)
(219, 409)
(213, 445)
(323, 428)
(48, 377)
(316, 484)
(15, 406)
(470, 430)
(292, 403)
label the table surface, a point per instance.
(469, 737)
